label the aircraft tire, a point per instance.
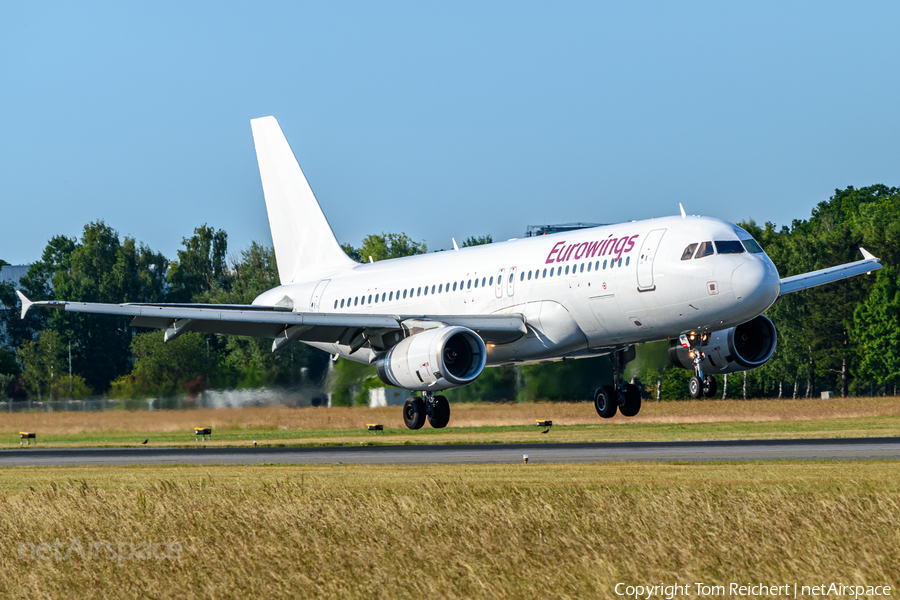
(632, 405)
(414, 412)
(710, 386)
(441, 414)
(605, 401)
(695, 387)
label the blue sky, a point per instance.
(438, 119)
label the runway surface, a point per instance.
(732, 450)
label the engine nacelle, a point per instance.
(435, 359)
(741, 348)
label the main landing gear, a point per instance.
(621, 396)
(435, 408)
(699, 385)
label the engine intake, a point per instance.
(742, 348)
(435, 359)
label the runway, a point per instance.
(732, 450)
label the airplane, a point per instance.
(434, 322)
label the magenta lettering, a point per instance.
(620, 247)
(631, 243)
(592, 249)
(554, 251)
(582, 248)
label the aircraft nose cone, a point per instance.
(755, 283)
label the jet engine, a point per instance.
(435, 359)
(741, 348)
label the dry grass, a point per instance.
(558, 531)
(464, 415)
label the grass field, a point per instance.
(510, 531)
(470, 423)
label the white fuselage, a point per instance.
(582, 293)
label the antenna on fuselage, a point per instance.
(455, 247)
(683, 215)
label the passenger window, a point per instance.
(356, 301)
(404, 293)
(559, 271)
(705, 249)
(426, 290)
(492, 280)
(469, 285)
(454, 286)
(376, 298)
(440, 288)
(612, 263)
(589, 267)
(529, 275)
(511, 275)
(448, 286)
(419, 293)
(729, 247)
(567, 269)
(342, 303)
(545, 272)
(551, 272)
(483, 281)
(620, 263)
(597, 266)
(752, 246)
(391, 297)
(627, 260)
(370, 299)
(476, 283)
(688, 252)
(335, 303)
(522, 276)
(582, 268)
(604, 265)
(383, 296)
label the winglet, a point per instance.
(26, 303)
(682, 210)
(868, 255)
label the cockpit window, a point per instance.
(729, 247)
(752, 246)
(688, 252)
(705, 249)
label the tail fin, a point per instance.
(302, 236)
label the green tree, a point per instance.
(382, 246)
(43, 364)
(200, 266)
(477, 240)
(165, 368)
(877, 330)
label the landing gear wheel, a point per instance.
(709, 386)
(414, 412)
(695, 387)
(440, 414)
(606, 401)
(632, 404)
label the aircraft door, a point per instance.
(499, 289)
(511, 284)
(316, 297)
(645, 263)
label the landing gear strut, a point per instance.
(621, 396)
(699, 385)
(416, 409)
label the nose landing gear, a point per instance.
(621, 396)
(699, 385)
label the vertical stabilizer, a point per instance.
(302, 236)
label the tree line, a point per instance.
(843, 337)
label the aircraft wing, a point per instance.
(353, 330)
(789, 285)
